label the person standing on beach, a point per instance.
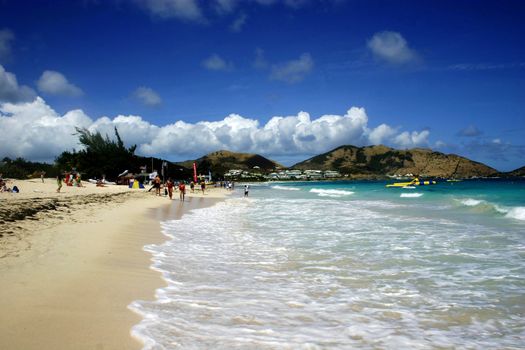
(42, 176)
(203, 186)
(169, 185)
(156, 183)
(246, 190)
(59, 182)
(192, 186)
(182, 190)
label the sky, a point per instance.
(287, 79)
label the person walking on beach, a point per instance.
(246, 190)
(203, 186)
(42, 176)
(59, 182)
(169, 185)
(192, 186)
(182, 190)
(156, 183)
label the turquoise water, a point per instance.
(344, 265)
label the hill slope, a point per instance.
(381, 160)
(221, 161)
(517, 173)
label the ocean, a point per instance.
(344, 265)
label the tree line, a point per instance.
(100, 156)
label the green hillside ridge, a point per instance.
(220, 162)
(520, 172)
(381, 160)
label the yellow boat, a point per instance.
(415, 182)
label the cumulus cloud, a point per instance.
(410, 139)
(186, 10)
(6, 36)
(10, 91)
(55, 83)
(217, 63)
(147, 96)
(293, 71)
(391, 47)
(238, 23)
(36, 131)
(470, 131)
(381, 134)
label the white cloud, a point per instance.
(36, 131)
(411, 139)
(217, 63)
(187, 10)
(55, 83)
(147, 96)
(6, 36)
(10, 91)
(381, 134)
(391, 47)
(293, 71)
(238, 23)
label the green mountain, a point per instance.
(373, 161)
(221, 161)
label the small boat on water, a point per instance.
(415, 182)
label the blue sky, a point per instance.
(181, 78)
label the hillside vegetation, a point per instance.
(381, 160)
(221, 161)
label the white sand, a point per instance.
(68, 277)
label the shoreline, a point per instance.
(67, 283)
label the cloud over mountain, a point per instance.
(39, 132)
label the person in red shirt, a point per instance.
(169, 185)
(182, 190)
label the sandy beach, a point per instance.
(71, 262)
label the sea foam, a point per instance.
(517, 213)
(469, 202)
(285, 188)
(411, 195)
(331, 193)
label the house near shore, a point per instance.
(283, 175)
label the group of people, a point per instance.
(4, 188)
(69, 178)
(169, 187)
